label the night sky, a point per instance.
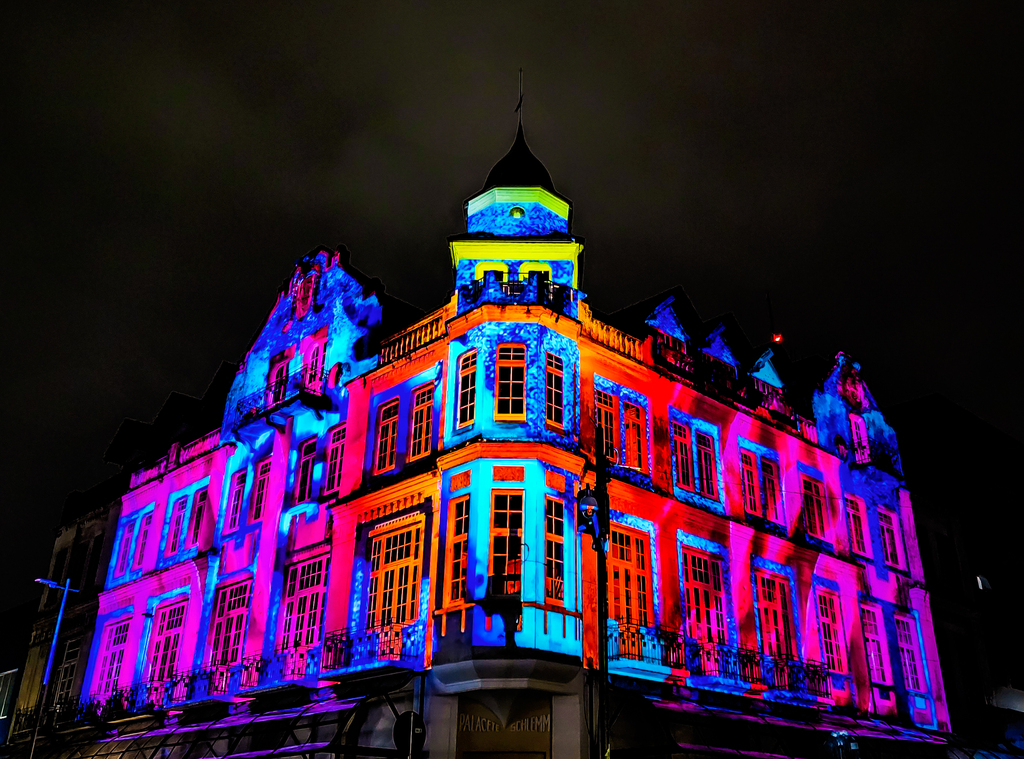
(163, 168)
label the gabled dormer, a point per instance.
(850, 423)
(671, 341)
(768, 382)
(721, 360)
(517, 226)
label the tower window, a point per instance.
(467, 389)
(553, 407)
(516, 212)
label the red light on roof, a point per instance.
(776, 337)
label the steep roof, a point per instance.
(519, 168)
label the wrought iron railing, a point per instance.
(713, 659)
(650, 645)
(399, 645)
(286, 665)
(879, 454)
(532, 291)
(279, 391)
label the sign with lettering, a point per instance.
(510, 722)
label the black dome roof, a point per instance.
(519, 168)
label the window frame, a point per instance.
(386, 459)
(507, 533)
(856, 519)
(874, 636)
(830, 628)
(305, 470)
(909, 645)
(711, 600)
(629, 552)
(260, 488)
(200, 501)
(177, 524)
(458, 550)
(377, 589)
(606, 436)
(422, 405)
(554, 391)
(335, 457)
(65, 671)
(749, 490)
(707, 459)
(140, 543)
(227, 646)
(634, 432)
(860, 443)
(115, 642)
(891, 536)
(466, 406)
(781, 612)
(510, 363)
(554, 550)
(165, 646)
(235, 501)
(125, 549)
(773, 506)
(303, 606)
(813, 501)
(683, 443)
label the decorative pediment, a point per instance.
(664, 319)
(718, 348)
(765, 371)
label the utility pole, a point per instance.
(65, 589)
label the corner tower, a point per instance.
(517, 224)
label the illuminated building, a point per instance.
(385, 520)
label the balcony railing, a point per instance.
(287, 665)
(611, 337)
(877, 453)
(533, 291)
(279, 391)
(397, 645)
(636, 644)
(401, 345)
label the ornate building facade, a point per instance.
(386, 520)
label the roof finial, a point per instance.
(519, 105)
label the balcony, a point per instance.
(635, 647)
(303, 385)
(390, 645)
(879, 454)
(401, 345)
(299, 665)
(534, 291)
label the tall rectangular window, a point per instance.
(861, 446)
(230, 611)
(335, 457)
(126, 548)
(510, 383)
(307, 458)
(260, 491)
(304, 596)
(705, 602)
(855, 515)
(874, 643)
(748, 480)
(199, 504)
(170, 622)
(776, 620)
(235, 505)
(506, 540)
(394, 578)
(177, 521)
(113, 656)
(629, 578)
(770, 483)
(554, 536)
(707, 465)
(140, 551)
(605, 429)
(314, 369)
(831, 638)
(460, 552)
(888, 524)
(422, 416)
(467, 389)
(553, 407)
(814, 508)
(67, 666)
(682, 455)
(636, 423)
(906, 637)
(387, 436)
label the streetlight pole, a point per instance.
(65, 588)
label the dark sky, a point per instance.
(164, 167)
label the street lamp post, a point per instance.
(595, 519)
(65, 588)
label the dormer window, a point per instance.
(516, 212)
(304, 296)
